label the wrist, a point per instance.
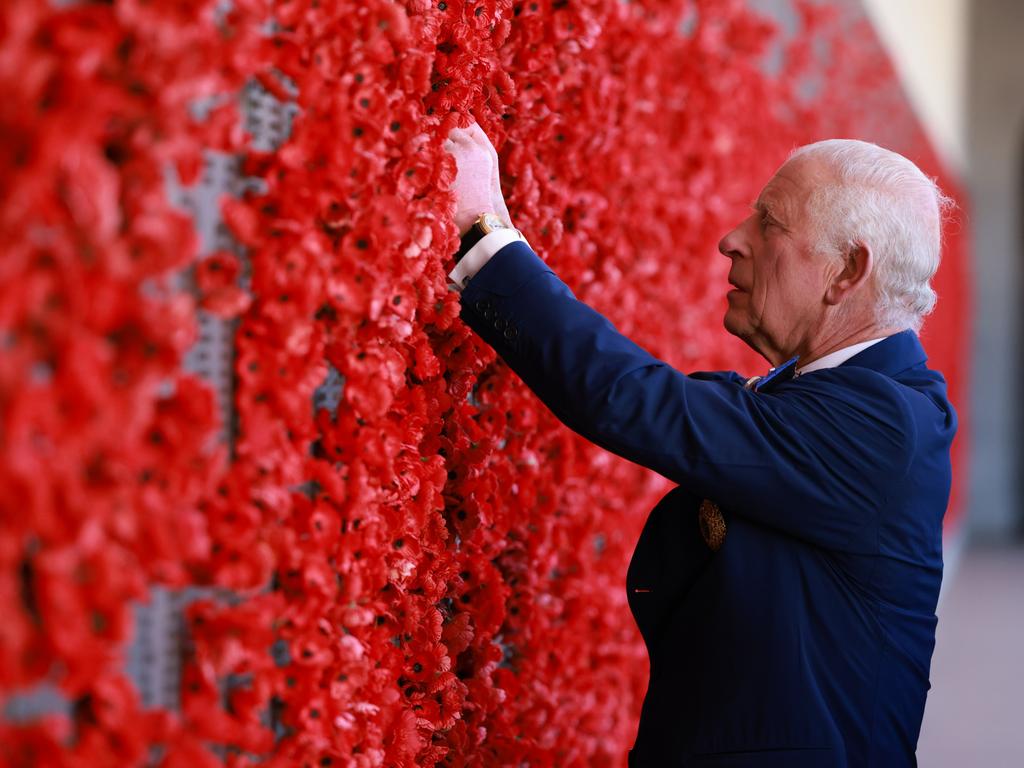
(474, 259)
(484, 224)
(467, 226)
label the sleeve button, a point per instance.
(482, 305)
(500, 323)
(511, 332)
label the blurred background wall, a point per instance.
(994, 110)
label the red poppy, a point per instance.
(427, 568)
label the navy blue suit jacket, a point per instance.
(806, 639)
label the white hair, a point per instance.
(880, 198)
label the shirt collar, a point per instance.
(840, 356)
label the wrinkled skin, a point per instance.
(789, 298)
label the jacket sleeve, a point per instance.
(816, 458)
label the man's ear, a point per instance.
(855, 269)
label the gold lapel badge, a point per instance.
(712, 524)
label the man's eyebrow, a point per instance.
(766, 208)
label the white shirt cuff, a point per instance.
(481, 253)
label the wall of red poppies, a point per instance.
(426, 568)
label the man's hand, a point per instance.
(477, 186)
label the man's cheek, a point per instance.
(758, 304)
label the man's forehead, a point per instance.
(776, 194)
(790, 185)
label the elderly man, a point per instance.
(786, 590)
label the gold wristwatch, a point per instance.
(485, 224)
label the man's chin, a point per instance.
(744, 332)
(735, 327)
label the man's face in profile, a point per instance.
(777, 275)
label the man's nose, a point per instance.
(731, 245)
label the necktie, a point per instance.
(709, 516)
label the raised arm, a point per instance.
(817, 458)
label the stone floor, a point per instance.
(975, 711)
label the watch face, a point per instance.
(491, 222)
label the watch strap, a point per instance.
(471, 238)
(486, 223)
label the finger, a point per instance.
(476, 133)
(460, 135)
(481, 138)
